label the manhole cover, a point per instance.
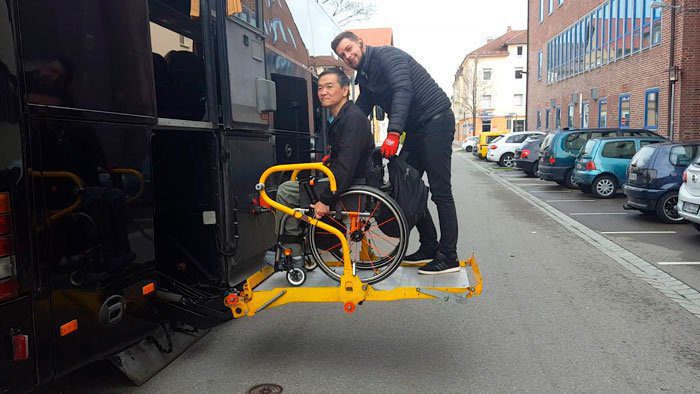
(267, 388)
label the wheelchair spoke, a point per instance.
(333, 247)
(387, 221)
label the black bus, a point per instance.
(132, 134)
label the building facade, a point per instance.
(615, 63)
(489, 89)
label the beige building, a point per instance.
(489, 89)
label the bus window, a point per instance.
(178, 60)
(249, 11)
(87, 55)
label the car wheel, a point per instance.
(585, 189)
(569, 181)
(666, 208)
(604, 186)
(697, 226)
(535, 171)
(469, 149)
(506, 160)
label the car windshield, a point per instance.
(683, 155)
(641, 159)
(588, 148)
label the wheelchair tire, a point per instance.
(368, 201)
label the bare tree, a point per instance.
(346, 11)
(469, 89)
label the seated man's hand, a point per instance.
(320, 210)
(326, 158)
(391, 144)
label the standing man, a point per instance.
(392, 79)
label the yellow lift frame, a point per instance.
(350, 290)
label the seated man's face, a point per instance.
(330, 92)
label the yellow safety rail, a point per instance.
(350, 290)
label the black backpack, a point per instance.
(407, 188)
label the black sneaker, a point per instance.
(440, 265)
(418, 258)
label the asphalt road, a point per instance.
(562, 310)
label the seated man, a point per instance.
(350, 148)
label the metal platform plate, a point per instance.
(402, 277)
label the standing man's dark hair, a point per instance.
(392, 79)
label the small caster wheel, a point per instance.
(296, 277)
(310, 264)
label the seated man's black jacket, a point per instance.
(351, 145)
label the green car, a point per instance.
(601, 165)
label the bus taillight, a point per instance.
(4, 203)
(9, 285)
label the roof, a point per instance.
(376, 37)
(499, 46)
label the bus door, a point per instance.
(18, 339)
(90, 106)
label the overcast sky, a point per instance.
(438, 33)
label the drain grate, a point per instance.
(266, 388)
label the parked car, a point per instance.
(689, 195)
(484, 140)
(654, 176)
(601, 166)
(560, 148)
(470, 143)
(527, 154)
(503, 152)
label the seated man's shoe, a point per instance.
(420, 257)
(440, 265)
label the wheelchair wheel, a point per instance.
(376, 232)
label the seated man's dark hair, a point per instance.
(343, 78)
(340, 37)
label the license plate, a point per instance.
(633, 176)
(690, 207)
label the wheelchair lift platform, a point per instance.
(268, 289)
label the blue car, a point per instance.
(654, 177)
(560, 148)
(601, 166)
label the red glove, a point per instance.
(390, 145)
(325, 158)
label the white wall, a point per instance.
(503, 84)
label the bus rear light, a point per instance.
(9, 288)
(5, 225)
(6, 246)
(148, 289)
(69, 327)
(8, 267)
(20, 347)
(4, 203)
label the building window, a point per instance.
(570, 116)
(541, 11)
(561, 2)
(519, 51)
(518, 73)
(486, 101)
(603, 113)
(518, 100)
(585, 115)
(539, 65)
(651, 109)
(519, 125)
(509, 124)
(546, 119)
(539, 120)
(557, 118)
(624, 110)
(551, 6)
(485, 125)
(487, 74)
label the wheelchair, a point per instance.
(369, 219)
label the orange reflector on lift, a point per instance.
(149, 288)
(287, 252)
(69, 327)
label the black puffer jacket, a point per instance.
(392, 79)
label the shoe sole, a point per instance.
(417, 262)
(447, 271)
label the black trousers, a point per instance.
(430, 151)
